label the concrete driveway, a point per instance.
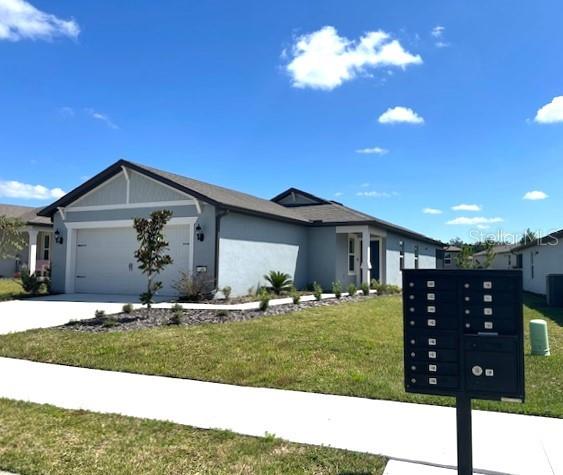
(53, 310)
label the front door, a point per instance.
(374, 255)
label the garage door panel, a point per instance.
(105, 261)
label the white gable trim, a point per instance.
(151, 204)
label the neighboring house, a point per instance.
(230, 237)
(37, 253)
(539, 258)
(504, 258)
(447, 257)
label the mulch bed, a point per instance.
(140, 319)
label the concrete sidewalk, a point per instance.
(503, 443)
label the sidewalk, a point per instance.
(503, 443)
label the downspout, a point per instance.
(218, 215)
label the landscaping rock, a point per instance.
(160, 317)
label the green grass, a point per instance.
(349, 349)
(40, 439)
(10, 289)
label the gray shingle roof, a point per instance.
(502, 248)
(27, 214)
(226, 196)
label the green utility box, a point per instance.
(539, 338)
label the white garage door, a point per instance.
(105, 262)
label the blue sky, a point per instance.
(456, 101)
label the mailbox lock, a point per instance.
(477, 371)
(466, 285)
(411, 297)
(412, 323)
(411, 284)
(467, 311)
(413, 342)
(413, 380)
(413, 368)
(467, 299)
(411, 309)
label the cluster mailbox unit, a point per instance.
(463, 337)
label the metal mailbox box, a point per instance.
(463, 333)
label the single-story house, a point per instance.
(538, 259)
(447, 257)
(504, 257)
(232, 238)
(36, 255)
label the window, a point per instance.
(416, 257)
(46, 247)
(447, 258)
(532, 264)
(509, 260)
(401, 255)
(351, 256)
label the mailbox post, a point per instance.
(463, 337)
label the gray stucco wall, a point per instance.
(250, 247)
(322, 255)
(548, 259)
(426, 259)
(204, 252)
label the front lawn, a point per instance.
(40, 439)
(10, 289)
(349, 349)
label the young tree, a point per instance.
(12, 237)
(528, 236)
(489, 257)
(151, 255)
(464, 259)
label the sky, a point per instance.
(443, 117)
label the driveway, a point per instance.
(42, 312)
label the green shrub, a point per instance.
(177, 308)
(264, 299)
(100, 313)
(30, 282)
(317, 290)
(337, 289)
(109, 322)
(365, 288)
(222, 313)
(127, 308)
(374, 284)
(352, 289)
(226, 292)
(388, 289)
(175, 318)
(295, 296)
(279, 281)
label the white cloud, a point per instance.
(438, 31)
(16, 189)
(372, 151)
(19, 20)
(103, 117)
(475, 221)
(551, 113)
(364, 185)
(325, 60)
(376, 194)
(535, 195)
(338, 194)
(399, 114)
(66, 112)
(432, 211)
(466, 207)
(483, 226)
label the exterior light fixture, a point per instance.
(199, 233)
(58, 238)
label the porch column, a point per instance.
(32, 250)
(366, 258)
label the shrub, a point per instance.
(100, 313)
(317, 290)
(109, 322)
(177, 308)
(365, 288)
(374, 284)
(30, 282)
(337, 289)
(295, 296)
(175, 319)
(352, 289)
(264, 298)
(226, 292)
(127, 308)
(223, 313)
(388, 289)
(193, 287)
(279, 281)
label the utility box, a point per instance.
(554, 290)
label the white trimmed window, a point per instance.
(46, 247)
(447, 258)
(416, 256)
(351, 255)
